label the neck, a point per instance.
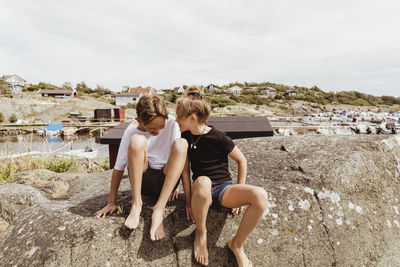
(139, 126)
(199, 129)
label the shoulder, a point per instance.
(214, 132)
(170, 122)
(131, 129)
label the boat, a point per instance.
(69, 131)
(51, 129)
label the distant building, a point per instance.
(60, 94)
(133, 95)
(15, 82)
(212, 87)
(290, 93)
(269, 91)
(236, 90)
(179, 90)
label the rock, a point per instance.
(333, 201)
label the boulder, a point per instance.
(333, 201)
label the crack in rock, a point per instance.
(326, 229)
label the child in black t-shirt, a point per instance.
(208, 159)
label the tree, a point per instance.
(83, 88)
(102, 91)
(1, 117)
(67, 85)
(13, 118)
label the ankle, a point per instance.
(201, 232)
(233, 244)
(158, 208)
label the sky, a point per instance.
(335, 45)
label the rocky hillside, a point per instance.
(31, 107)
(333, 201)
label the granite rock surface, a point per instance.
(333, 201)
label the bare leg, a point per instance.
(201, 200)
(172, 170)
(137, 160)
(241, 195)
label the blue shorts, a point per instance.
(218, 190)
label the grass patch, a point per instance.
(10, 167)
(7, 172)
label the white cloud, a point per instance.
(351, 45)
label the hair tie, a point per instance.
(194, 93)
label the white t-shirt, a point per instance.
(158, 147)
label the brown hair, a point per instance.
(193, 103)
(150, 107)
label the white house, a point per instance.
(269, 91)
(123, 99)
(212, 87)
(236, 90)
(15, 82)
(179, 90)
(290, 93)
(133, 95)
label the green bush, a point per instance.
(66, 164)
(13, 118)
(219, 101)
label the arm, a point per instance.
(238, 156)
(116, 178)
(187, 189)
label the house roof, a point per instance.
(144, 91)
(235, 88)
(5, 77)
(128, 94)
(56, 92)
(268, 88)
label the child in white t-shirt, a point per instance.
(154, 152)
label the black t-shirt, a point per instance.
(210, 157)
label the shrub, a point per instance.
(66, 164)
(1, 117)
(13, 118)
(219, 101)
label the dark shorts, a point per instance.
(218, 190)
(153, 181)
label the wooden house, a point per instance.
(59, 93)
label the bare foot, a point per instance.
(132, 221)
(240, 256)
(157, 226)
(200, 248)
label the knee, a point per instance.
(180, 145)
(260, 198)
(137, 143)
(202, 188)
